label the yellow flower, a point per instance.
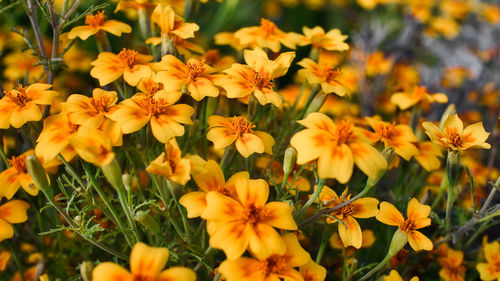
(18, 64)
(17, 175)
(172, 24)
(156, 108)
(55, 138)
(349, 229)
(134, 5)
(195, 76)
(418, 217)
(399, 137)
(211, 179)
(312, 271)
(247, 221)
(338, 145)
(267, 35)
(489, 270)
(445, 26)
(108, 67)
(368, 238)
(452, 268)
(324, 74)
(418, 95)
(96, 23)
(428, 155)
(182, 46)
(377, 64)
(22, 104)
(93, 146)
(12, 212)
(394, 276)
(454, 136)
(277, 266)
(4, 259)
(146, 263)
(171, 164)
(333, 40)
(256, 77)
(224, 131)
(228, 38)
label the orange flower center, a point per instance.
(419, 92)
(454, 138)
(261, 80)
(142, 277)
(96, 19)
(268, 27)
(153, 106)
(385, 130)
(407, 226)
(19, 96)
(19, 163)
(101, 104)
(254, 214)
(241, 126)
(343, 132)
(274, 264)
(195, 68)
(329, 73)
(128, 57)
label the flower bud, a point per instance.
(147, 221)
(37, 173)
(316, 103)
(399, 240)
(127, 182)
(113, 173)
(86, 270)
(453, 167)
(289, 160)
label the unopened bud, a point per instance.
(113, 173)
(289, 160)
(86, 270)
(399, 240)
(37, 173)
(127, 182)
(147, 221)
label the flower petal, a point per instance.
(418, 241)
(389, 214)
(145, 259)
(350, 232)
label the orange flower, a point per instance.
(247, 221)
(377, 64)
(489, 270)
(394, 276)
(156, 108)
(452, 268)
(418, 95)
(93, 146)
(349, 229)
(323, 73)
(333, 40)
(17, 175)
(96, 23)
(211, 179)
(22, 104)
(133, 66)
(12, 212)
(267, 35)
(195, 76)
(276, 266)
(19, 64)
(171, 164)
(454, 136)
(55, 138)
(170, 23)
(312, 271)
(338, 145)
(146, 263)
(399, 137)
(224, 131)
(4, 259)
(417, 218)
(256, 77)
(428, 155)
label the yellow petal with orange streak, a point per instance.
(418, 241)
(252, 192)
(6, 230)
(21, 115)
(279, 215)
(487, 271)
(433, 132)
(164, 128)
(334, 87)
(366, 207)
(368, 159)
(393, 276)
(4, 259)
(403, 100)
(389, 215)
(116, 27)
(475, 136)
(453, 122)
(106, 73)
(316, 120)
(28, 184)
(83, 32)
(202, 87)
(264, 241)
(211, 179)
(232, 238)
(416, 210)
(350, 232)
(336, 162)
(310, 144)
(137, 72)
(172, 81)
(147, 260)
(222, 208)
(282, 63)
(109, 271)
(177, 273)
(313, 269)
(491, 251)
(9, 183)
(182, 171)
(194, 202)
(236, 179)
(186, 30)
(440, 98)
(298, 256)
(247, 144)
(180, 113)
(221, 137)
(6, 109)
(14, 211)
(267, 139)
(242, 269)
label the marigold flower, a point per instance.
(394, 276)
(418, 217)
(12, 212)
(211, 179)
(452, 268)
(324, 74)
(228, 38)
(196, 76)
(224, 131)
(400, 137)
(489, 270)
(333, 40)
(22, 104)
(256, 77)
(171, 165)
(428, 155)
(277, 266)
(377, 64)
(267, 35)
(17, 175)
(146, 263)
(93, 146)
(55, 138)
(337, 147)
(4, 259)
(454, 136)
(312, 271)
(349, 229)
(170, 23)
(18, 64)
(419, 94)
(133, 66)
(182, 46)
(156, 108)
(247, 221)
(96, 23)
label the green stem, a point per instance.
(313, 197)
(322, 246)
(227, 157)
(72, 172)
(442, 189)
(122, 196)
(185, 223)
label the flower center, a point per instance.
(241, 126)
(19, 163)
(18, 95)
(153, 106)
(195, 68)
(407, 226)
(384, 130)
(142, 277)
(128, 57)
(96, 19)
(101, 104)
(274, 264)
(261, 80)
(268, 27)
(454, 138)
(343, 132)
(330, 73)
(254, 214)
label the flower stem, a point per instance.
(314, 196)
